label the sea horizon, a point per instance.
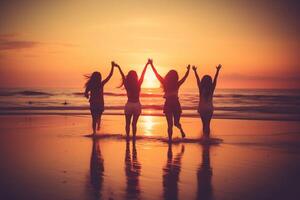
(257, 104)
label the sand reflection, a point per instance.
(96, 169)
(132, 171)
(204, 176)
(171, 172)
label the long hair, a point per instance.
(131, 82)
(206, 87)
(171, 81)
(93, 81)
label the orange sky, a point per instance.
(52, 44)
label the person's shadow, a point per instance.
(96, 169)
(132, 171)
(204, 176)
(171, 173)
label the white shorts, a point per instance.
(133, 108)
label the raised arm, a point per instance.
(161, 79)
(109, 75)
(121, 72)
(197, 76)
(143, 74)
(185, 76)
(216, 76)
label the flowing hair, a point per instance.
(171, 81)
(206, 87)
(131, 82)
(93, 81)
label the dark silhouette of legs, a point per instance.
(177, 123)
(127, 127)
(170, 125)
(134, 122)
(206, 118)
(99, 122)
(95, 120)
(94, 123)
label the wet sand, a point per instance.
(49, 157)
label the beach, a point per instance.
(209, 89)
(51, 157)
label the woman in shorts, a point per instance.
(172, 107)
(133, 106)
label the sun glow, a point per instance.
(150, 81)
(148, 125)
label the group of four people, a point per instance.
(170, 84)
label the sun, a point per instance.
(150, 81)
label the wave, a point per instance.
(258, 97)
(121, 94)
(237, 116)
(237, 104)
(295, 96)
(26, 93)
(245, 109)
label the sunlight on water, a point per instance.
(148, 125)
(60, 163)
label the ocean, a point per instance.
(258, 104)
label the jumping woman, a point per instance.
(172, 107)
(133, 106)
(206, 90)
(94, 92)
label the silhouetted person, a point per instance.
(94, 92)
(171, 174)
(206, 89)
(172, 107)
(133, 106)
(204, 175)
(132, 171)
(96, 169)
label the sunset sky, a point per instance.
(54, 43)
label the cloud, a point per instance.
(7, 36)
(10, 45)
(8, 42)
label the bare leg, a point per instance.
(94, 123)
(170, 125)
(99, 122)
(203, 123)
(177, 123)
(206, 118)
(134, 122)
(127, 127)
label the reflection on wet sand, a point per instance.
(204, 176)
(171, 173)
(132, 171)
(96, 169)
